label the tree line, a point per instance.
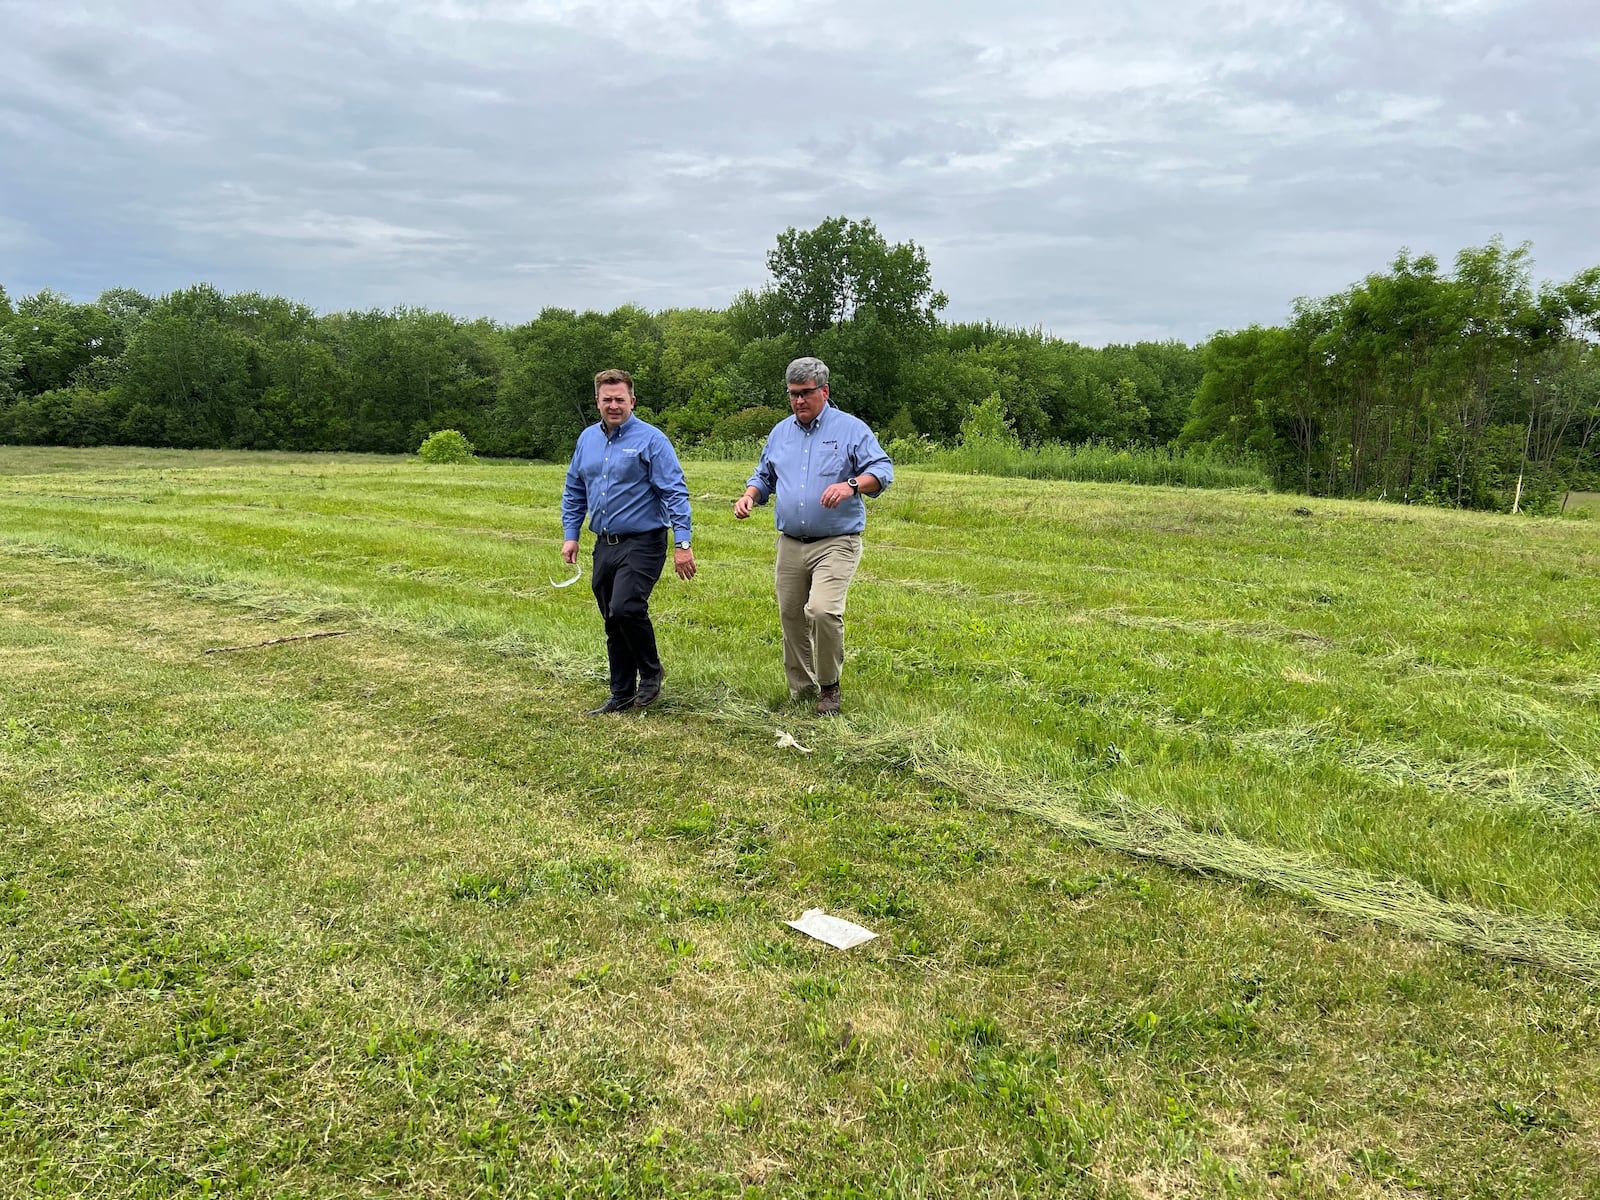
(1413, 384)
(197, 368)
(1473, 388)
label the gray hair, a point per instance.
(807, 370)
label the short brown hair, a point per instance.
(612, 375)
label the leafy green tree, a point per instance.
(187, 361)
(1226, 413)
(10, 356)
(1468, 388)
(696, 384)
(900, 427)
(124, 309)
(1495, 287)
(56, 339)
(842, 293)
(938, 388)
(10, 367)
(64, 417)
(547, 394)
(747, 424)
(1127, 417)
(986, 424)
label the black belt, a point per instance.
(806, 541)
(612, 539)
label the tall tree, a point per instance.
(189, 362)
(843, 293)
(10, 356)
(55, 339)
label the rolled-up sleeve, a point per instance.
(868, 458)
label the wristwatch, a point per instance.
(855, 485)
(683, 545)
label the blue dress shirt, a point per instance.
(800, 462)
(628, 482)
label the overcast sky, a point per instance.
(1108, 169)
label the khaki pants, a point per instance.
(813, 580)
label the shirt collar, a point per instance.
(608, 434)
(815, 424)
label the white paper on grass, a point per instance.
(785, 742)
(577, 574)
(836, 931)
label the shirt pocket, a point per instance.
(630, 469)
(833, 462)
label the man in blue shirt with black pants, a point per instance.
(626, 476)
(820, 463)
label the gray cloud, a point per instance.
(1109, 172)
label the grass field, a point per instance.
(1220, 844)
(1587, 501)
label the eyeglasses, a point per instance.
(804, 392)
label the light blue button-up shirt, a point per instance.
(628, 482)
(800, 462)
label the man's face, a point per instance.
(615, 403)
(807, 399)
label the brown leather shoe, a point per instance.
(828, 700)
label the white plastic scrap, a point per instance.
(836, 931)
(784, 740)
(578, 574)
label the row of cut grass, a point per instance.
(378, 914)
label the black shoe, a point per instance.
(613, 704)
(649, 692)
(828, 700)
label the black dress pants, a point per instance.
(623, 576)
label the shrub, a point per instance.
(748, 424)
(909, 451)
(986, 426)
(718, 450)
(445, 446)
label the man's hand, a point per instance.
(569, 552)
(836, 494)
(741, 506)
(683, 563)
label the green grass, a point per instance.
(1582, 503)
(1092, 462)
(1099, 463)
(1217, 846)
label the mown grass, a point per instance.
(381, 914)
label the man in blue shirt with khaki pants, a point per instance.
(820, 463)
(626, 476)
